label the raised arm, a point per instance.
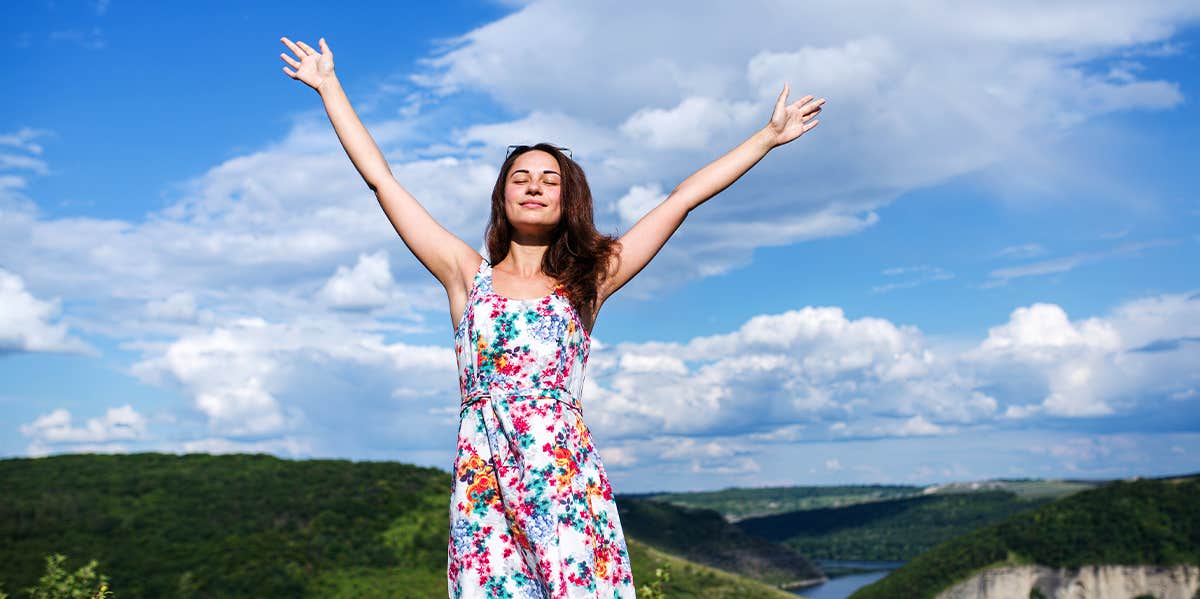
(446, 256)
(644, 239)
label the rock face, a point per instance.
(1089, 582)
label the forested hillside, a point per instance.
(256, 526)
(737, 504)
(703, 536)
(1146, 522)
(896, 529)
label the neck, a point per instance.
(525, 255)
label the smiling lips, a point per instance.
(532, 204)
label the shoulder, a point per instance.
(469, 267)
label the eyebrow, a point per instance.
(526, 171)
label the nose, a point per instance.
(534, 187)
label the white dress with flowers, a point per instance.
(532, 514)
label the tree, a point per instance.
(58, 583)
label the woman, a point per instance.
(532, 513)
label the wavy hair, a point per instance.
(578, 252)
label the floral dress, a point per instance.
(532, 514)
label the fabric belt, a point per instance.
(494, 391)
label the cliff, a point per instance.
(1088, 582)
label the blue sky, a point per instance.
(981, 263)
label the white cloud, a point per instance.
(813, 375)
(1006, 92)
(1094, 366)
(691, 125)
(1069, 357)
(1002, 276)
(25, 321)
(917, 275)
(180, 305)
(55, 432)
(1025, 250)
(254, 378)
(780, 371)
(368, 285)
(24, 138)
(640, 200)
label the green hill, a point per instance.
(897, 529)
(256, 526)
(703, 536)
(739, 503)
(1146, 522)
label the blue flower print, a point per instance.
(549, 328)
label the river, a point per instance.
(845, 577)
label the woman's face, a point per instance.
(533, 193)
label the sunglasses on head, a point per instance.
(523, 147)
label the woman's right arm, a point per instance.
(446, 256)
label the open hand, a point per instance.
(790, 121)
(314, 67)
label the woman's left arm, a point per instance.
(643, 241)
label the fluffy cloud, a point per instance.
(368, 285)
(691, 125)
(650, 102)
(55, 431)
(813, 375)
(25, 321)
(811, 366)
(256, 381)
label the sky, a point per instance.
(981, 264)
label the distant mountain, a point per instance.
(1023, 488)
(703, 536)
(199, 526)
(1123, 534)
(738, 503)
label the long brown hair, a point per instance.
(578, 254)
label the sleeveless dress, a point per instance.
(532, 514)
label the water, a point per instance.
(841, 586)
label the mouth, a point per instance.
(532, 204)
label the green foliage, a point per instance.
(200, 526)
(418, 536)
(898, 529)
(687, 579)
(60, 583)
(653, 590)
(1147, 522)
(703, 536)
(380, 583)
(1036, 594)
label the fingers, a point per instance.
(289, 60)
(782, 101)
(807, 102)
(289, 72)
(307, 48)
(295, 49)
